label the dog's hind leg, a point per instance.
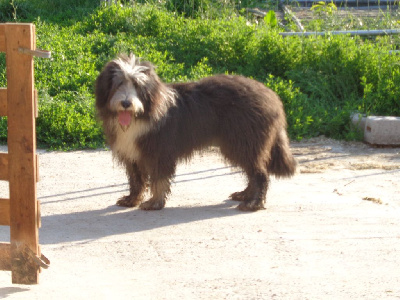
(137, 186)
(254, 196)
(243, 195)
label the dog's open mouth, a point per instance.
(125, 119)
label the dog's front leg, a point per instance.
(160, 189)
(137, 186)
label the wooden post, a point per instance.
(20, 165)
(22, 152)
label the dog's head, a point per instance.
(128, 89)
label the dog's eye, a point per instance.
(116, 82)
(135, 84)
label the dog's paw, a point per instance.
(253, 205)
(238, 196)
(153, 204)
(127, 201)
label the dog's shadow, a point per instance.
(91, 224)
(114, 220)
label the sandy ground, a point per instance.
(330, 232)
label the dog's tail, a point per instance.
(282, 163)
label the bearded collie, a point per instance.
(150, 126)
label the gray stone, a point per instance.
(382, 130)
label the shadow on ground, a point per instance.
(114, 220)
(8, 291)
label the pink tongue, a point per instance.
(125, 118)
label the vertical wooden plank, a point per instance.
(3, 102)
(4, 212)
(3, 166)
(36, 103)
(21, 152)
(5, 257)
(39, 219)
(37, 168)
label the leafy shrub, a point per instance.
(321, 80)
(3, 129)
(68, 122)
(299, 110)
(12, 10)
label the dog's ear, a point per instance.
(105, 84)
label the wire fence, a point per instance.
(291, 15)
(346, 15)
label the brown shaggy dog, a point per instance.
(151, 126)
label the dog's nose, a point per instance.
(126, 104)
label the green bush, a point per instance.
(299, 110)
(68, 122)
(321, 80)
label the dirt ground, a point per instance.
(330, 232)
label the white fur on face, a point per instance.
(131, 71)
(126, 92)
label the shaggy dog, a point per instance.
(150, 126)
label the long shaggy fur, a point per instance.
(150, 126)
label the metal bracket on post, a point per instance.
(37, 52)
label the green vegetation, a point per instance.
(321, 80)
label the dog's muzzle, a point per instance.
(126, 104)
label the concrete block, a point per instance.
(382, 130)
